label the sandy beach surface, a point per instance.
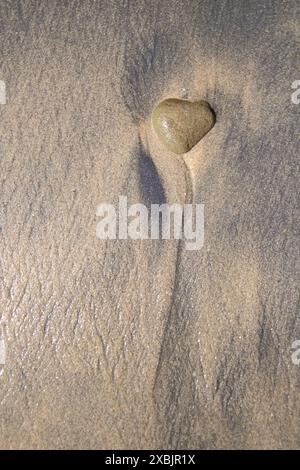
(122, 344)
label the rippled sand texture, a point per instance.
(143, 344)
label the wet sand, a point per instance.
(122, 344)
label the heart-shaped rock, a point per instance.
(180, 124)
